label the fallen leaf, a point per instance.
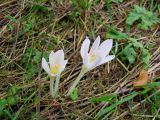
(142, 79)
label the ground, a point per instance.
(30, 29)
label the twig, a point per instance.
(7, 3)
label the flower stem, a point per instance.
(56, 86)
(54, 90)
(51, 86)
(81, 74)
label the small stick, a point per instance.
(7, 3)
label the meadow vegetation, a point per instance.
(126, 88)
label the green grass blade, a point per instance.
(105, 98)
(108, 109)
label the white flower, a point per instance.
(56, 63)
(98, 53)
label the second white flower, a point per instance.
(98, 53)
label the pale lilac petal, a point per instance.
(51, 58)
(95, 63)
(84, 50)
(95, 44)
(63, 66)
(107, 59)
(59, 57)
(105, 47)
(45, 66)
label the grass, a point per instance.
(31, 29)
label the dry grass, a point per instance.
(55, 29)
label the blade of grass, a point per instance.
(21, 108)
(105, 98)
(108, 7)
(108, 109)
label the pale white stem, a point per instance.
(81, 74)
(56, 86)
(51, 86)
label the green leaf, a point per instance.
(10, 27)
(31, 70)
(159, 8)
(108, 109)
(12, 100)
(30, 52)
(132, 46)
(27, 27)
(3, 103)
(85, 4)
(37, 58)
(117, 1)
(12, 90)
(129, 53)
(156, 99)
(8, 114)
(39, 8)
(105, 98)
(152, 85)
(147, 18)
(74, 94)
(132, 18)
(146, 56)
(139, 10)
(108, 114)
(74, 2)
(114, 34)
(11, 18)
(135, 14)
(108, 8)
(136, 43)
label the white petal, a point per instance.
(45, 66)
(59, 57)
(105, 47)
(51, 58)
(95, 44)
(84, 50)
(107, 59)
(63, 66)
(53, 75)
(94, 64)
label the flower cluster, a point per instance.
(92, 57)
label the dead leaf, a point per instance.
(142, 79)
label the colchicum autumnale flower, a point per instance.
(54, 68)
(97, 55)
(56, 63)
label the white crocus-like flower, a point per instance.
(54, 68)
(56, 63)
(98, 54)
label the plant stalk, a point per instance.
(54, 90)
(51, 86)
(81, 74)
(56, 86)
